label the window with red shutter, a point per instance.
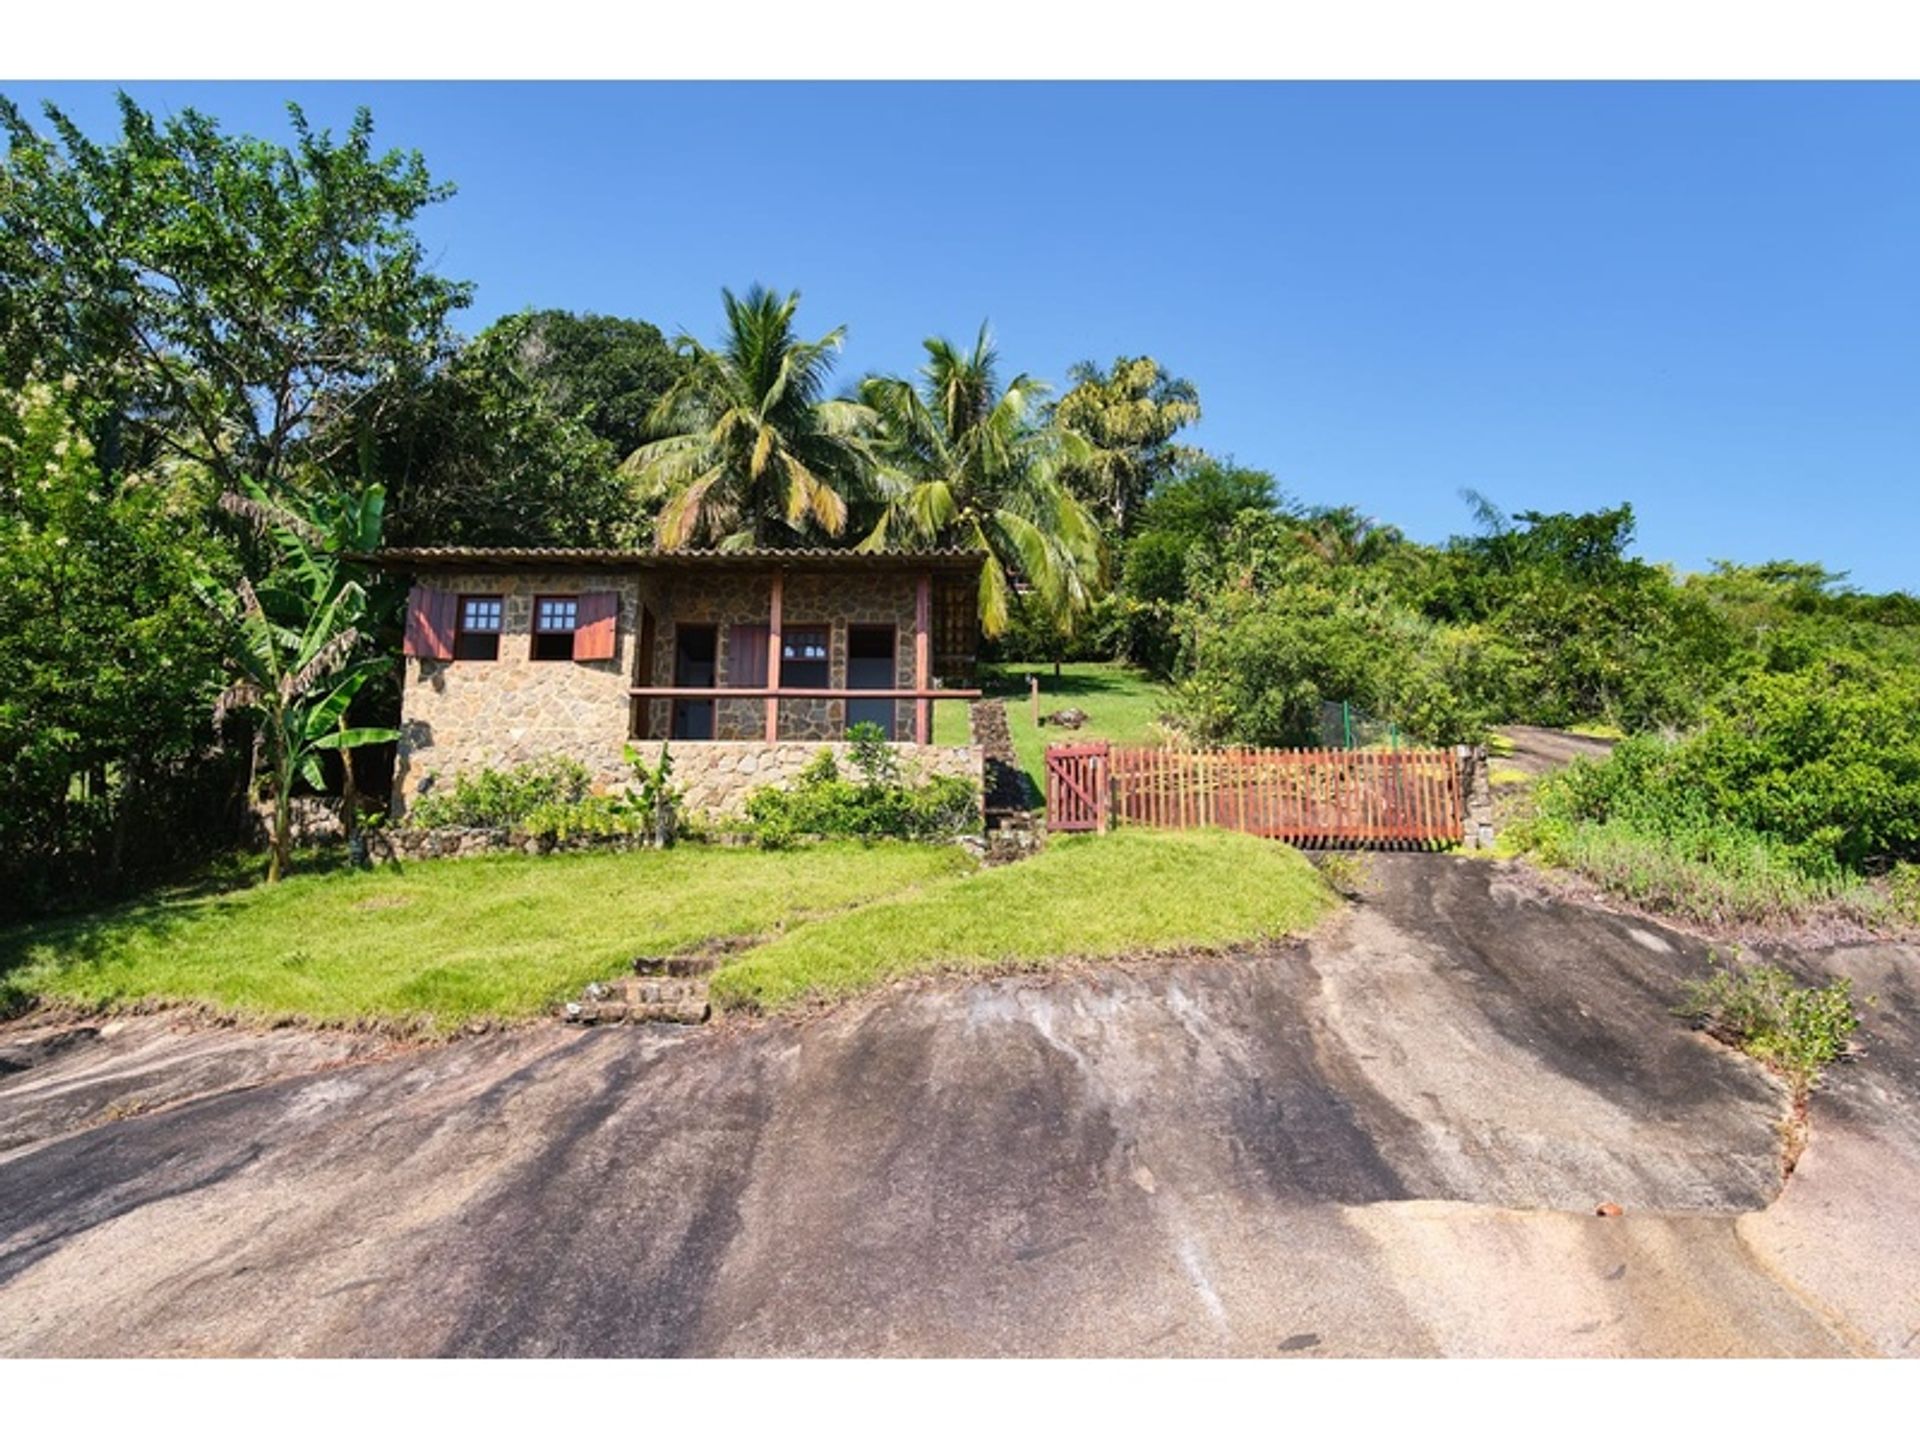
(596, 635)
(430, 624)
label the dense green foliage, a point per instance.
(106, 659)
(233, 301)
(876, 805)
(516, 436)
(298, 645)
(489, 799)
(749, 448)
(1795, 788)
(1129, 893)
(1824, 761)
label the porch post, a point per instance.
(922, 658)
(773, 656)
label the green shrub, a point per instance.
(1798, 1029)
(1709, 872)
(594, 817)
(1793, 789)
(1903, 892)
(491, 799)
(877, 806)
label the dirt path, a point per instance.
(1537, 750)
(1390, 1140)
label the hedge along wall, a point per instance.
(717, 775)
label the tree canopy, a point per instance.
(230, 300)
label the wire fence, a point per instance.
(1343, 726)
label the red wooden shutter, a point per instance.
(430, 623)
(747, 656)
(594, 629)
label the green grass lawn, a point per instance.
(1122, 705)
(1129, 892)
(438, 943)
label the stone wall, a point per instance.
(717, 775)
(463, 715)
(1478, 794)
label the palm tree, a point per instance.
(747, 450)
(1341, 535)
(1129, 415)
(962, 460)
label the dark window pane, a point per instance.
(477, 635)
(557, 645)
(476, 645)
(806, 642)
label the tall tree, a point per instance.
(476, 453)
(604, 371)
(104, 655)
(748, 449)
(965, 460)
(1129, 414)
(239, 301)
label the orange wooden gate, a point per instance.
(1374, 798)
(1078, 792)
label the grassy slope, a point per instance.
(439, 943)
(1121, 705)
(1131, 891)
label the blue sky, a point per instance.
(1703, 299)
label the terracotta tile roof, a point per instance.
(518, 556)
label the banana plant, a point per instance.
(296, 646)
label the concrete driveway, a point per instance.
(1390, 1140)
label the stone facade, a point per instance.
(716, 776)
(464, 715)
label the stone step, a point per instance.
(640, 999)
(678, 966)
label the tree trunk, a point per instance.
(350, 810)
(282, 851)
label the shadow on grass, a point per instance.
(76, 937)
(1009, 682)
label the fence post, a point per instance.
(1033, 697)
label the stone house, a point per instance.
(746, 663)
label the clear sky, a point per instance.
(1702, 299)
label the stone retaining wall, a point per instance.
(717, 775)
(456, 843)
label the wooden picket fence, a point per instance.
(1381, 799)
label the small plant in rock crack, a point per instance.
(1796, 1029)
(1345, 870)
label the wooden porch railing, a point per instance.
(773, 694)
